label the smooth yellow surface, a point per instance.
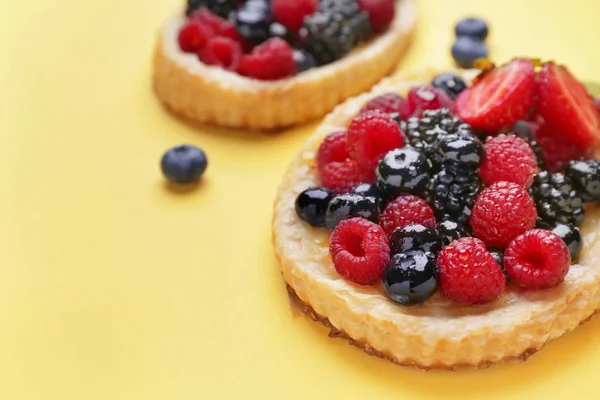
(116, 286)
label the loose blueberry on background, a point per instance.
(184, 164)
(475, 28)
(466, 51)
(351, 205)
(415, 237)
(311, 205)
(411, 278)
(450, 83)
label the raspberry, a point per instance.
(205, 17)
(370, 136)
(557, 150)
(193, 36)
(342, 176)
(508, 158)
(381, 13)
(468, 272)
(291, 13)
(422, 98)
(537, 259)
(359, 250)
(389, 103)
(502, 212)
(221, 51)
(332, 149)
(272, 60)
(406, 210)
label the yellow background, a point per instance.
(116, 286)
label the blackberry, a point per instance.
(450, 230)
(454, 192)
(336, 28)
(222, 8)
(556, 199)
(585, 175)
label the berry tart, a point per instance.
(432, 223)
(268, 64)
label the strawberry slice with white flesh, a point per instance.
(565, 103)
(500, 98)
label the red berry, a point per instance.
(566, 104)
(381, 13)
(332, 149)
(193, 36)
(205, 17)
(557, 150)
(508, 158)
(502, 212)
(537, 259)
(272, 60)
(422, 98)
(502, 97)
(291, 13)
(389, 103)
(359, 250)
(370, 136)
(406, 210)
(342, 176)
(221, 51)
(468, 272)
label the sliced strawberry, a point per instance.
(502, 97)
(565, 103)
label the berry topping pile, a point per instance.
(276, 39)
(454, 189)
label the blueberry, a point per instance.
(459, 151)
(466, 51)
(311, 205)
(304, 61)
(498, 256)
(184, 164)
(405, 170)
(571, 235)
(253, 21)
(450, 230)
(415, 237)
(411, 278)
(475, 28)
(450, 83)
(351, 205)
(367, 190)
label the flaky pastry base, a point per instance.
(438, 333)
(213, 95)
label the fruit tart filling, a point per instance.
(466, 190)
(276, 39)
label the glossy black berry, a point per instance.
(585, 176)
(415, 237)
(571, 235)
(463, 151)
(304, 61)
(525, 130)
(280, 31)
(411, 278)
(253, 21)
(454, 193)
(472, 27)
(450, 83)
(466, 51)
(351, 205)
(405, 170)
(450, 230)
(311, 205)
(556, 199)
(184, 164)
(367, 190)
(498, 256)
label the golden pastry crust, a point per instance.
(438, 333)
(212, 95)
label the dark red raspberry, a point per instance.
(342, 176)
(370, 136)
(291, 13)
(502, 212)
(381, 13)
(221, 51)
(332, 149)
(272, 60)
(468, 272)
(406, 210)
(557, 150)
(422, 98)
(537, 259)
(359, 250)
(508, 158)
(205, 17)
(389, 103)
(193, 36)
